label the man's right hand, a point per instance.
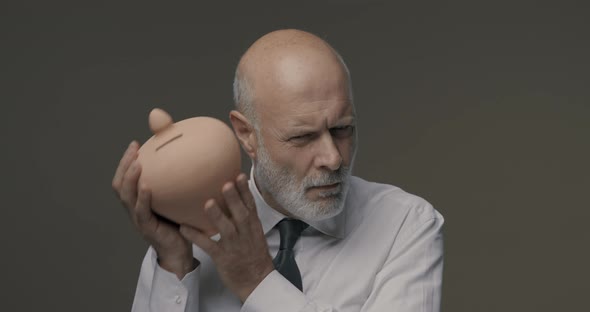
(173, 250)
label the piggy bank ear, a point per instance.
(159, 120)
(244, 130)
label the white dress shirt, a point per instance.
(384, 252)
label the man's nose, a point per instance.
(329, 156)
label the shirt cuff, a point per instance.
(171, 294)
(275, 293)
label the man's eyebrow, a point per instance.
(298, 123)
(302, 126)
(344, 121)
(347, 119)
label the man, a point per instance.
(362, 247)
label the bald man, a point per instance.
(339, 243)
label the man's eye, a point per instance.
(342, 132)
(301, 137)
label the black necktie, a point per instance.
(284, 262)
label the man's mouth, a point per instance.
(327, 187)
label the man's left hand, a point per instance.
(241, 254)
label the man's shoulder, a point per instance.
(385, 201)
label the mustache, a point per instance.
(338, 176)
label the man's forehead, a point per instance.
(299, 82)
(312, 114)
(299, 93)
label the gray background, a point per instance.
(483, 109)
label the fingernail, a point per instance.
(208, 204)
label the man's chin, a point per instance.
(328, 214)
(323, 208)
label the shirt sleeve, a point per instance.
(411, 277)
(160, 290)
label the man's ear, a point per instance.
(245, 132)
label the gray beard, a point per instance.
(282, 184)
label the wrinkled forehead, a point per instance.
(307, 116)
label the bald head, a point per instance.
(284, 66)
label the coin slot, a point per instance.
(167, 142)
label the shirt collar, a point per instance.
(269, 217)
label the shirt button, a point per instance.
(178, 300)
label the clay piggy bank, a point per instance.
(186, 163)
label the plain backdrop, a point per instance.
(482, 108)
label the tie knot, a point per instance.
(290, 230)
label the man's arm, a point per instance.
(411, 277)
(161, 290)
(241, 253)
(170, 257)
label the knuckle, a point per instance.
(242, 216)
(143, 232)
(188, 234)
(143, 189)
(124, 199)
(141, 218)
(128, 201)
(230, 231)
(141, 223)
(116, 185)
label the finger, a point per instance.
(128, 192)
(199, 239)
(238, 210)
(124, 164)
(219, 220)
(128, 157)
(143, 213)
(245, 194)
(248, 199)
(223, 206)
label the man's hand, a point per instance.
(174, 251)
(241, 254)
